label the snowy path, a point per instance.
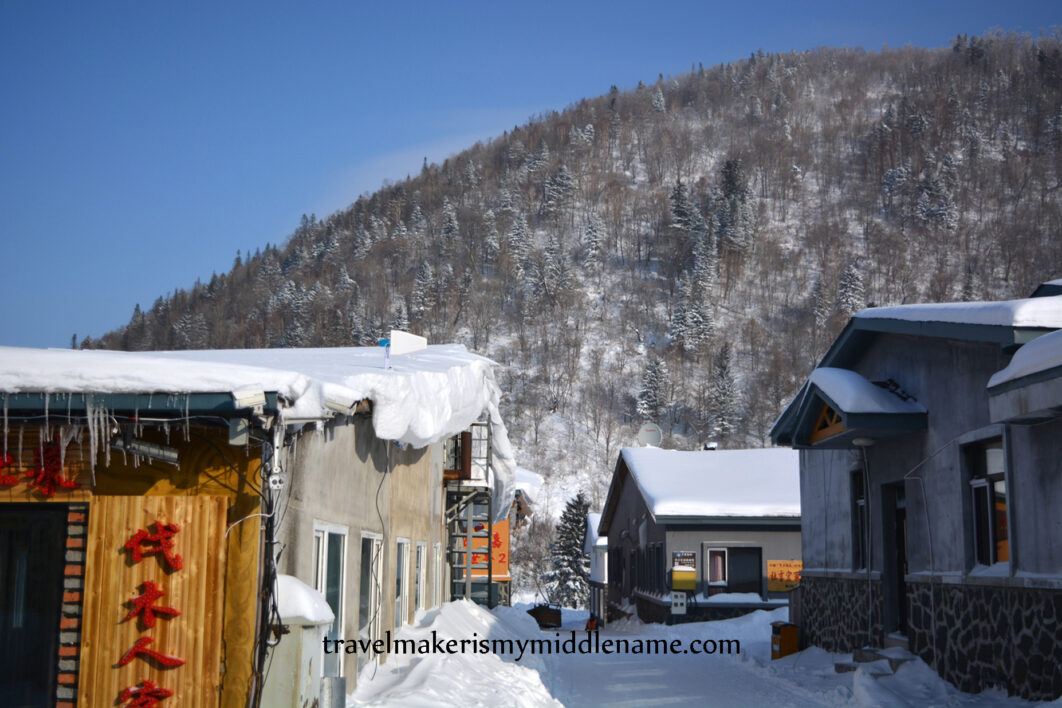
(632, 681)
(485, 680)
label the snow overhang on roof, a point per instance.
(1008, 323)
(865, 410)
(725, 486)
(593, 539)
(1029, 389)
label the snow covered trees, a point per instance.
(652, 398)
(850, 294)
(568, 580)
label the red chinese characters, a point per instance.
(142, 543)
(145, 607)
(47, 472)
(146, 695)
(163, 538)
(140, 649)
(7, 480)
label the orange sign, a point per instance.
(783, 575)
(499, 550)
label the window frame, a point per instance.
(985, 518)
(322, 530)
(420, 576)
(401, 608)
(708, 567)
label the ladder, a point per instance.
(470, 526)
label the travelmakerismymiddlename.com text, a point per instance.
(590, 643)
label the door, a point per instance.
(32, 537)
(746, 570)
(894, 500)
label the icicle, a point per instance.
(107, 417)
(5, 426)
(187, 424)
(47, 431)
(20, 430)
(166, 430)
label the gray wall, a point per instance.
(339, 476)
(775, 545)
(948, 377)
(1036, 491)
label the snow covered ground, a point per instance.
(633, 681)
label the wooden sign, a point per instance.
(783, 576)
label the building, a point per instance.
(930, 486)
(710, 525)
(595, 547)
(148, 503)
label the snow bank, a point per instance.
(1029, 312)
(425, 396)
(764, 482)
(298, 603)
(468, 679)
(1040, 354)
(854, 394)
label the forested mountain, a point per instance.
(683, 251)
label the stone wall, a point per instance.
(989, 636)
(833, 613)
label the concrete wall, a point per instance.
(782, 544)
(947, 377)
(1036, 491)
(623, 537)
(340, 477)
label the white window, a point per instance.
(715, 566)
(329, 569)
(438, 580)
(401, 583)
(370, 592)
(420, 577)
(988, 486)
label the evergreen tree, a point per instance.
(723, 395)
(422, 299)
(568, 579)
(652, 399)
(490, 241)
(592, 240)
(850, 293)
(659, 105)
(559, 189)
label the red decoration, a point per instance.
(146, 695)
(47, 472)
(140, 648)
(143, 604)
(163, 536)
(496, 543)
(7, 479)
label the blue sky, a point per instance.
(143, 142)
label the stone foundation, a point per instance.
(989, 636)
(833, 613)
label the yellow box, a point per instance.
(785, 639)
(683, 578)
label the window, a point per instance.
(329, 552)
(370, 591)
(420, 577)
(716, 566)
(401, 584)
(437, 572)
(859, 521)
(988, 486)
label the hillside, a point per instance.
(681, 251)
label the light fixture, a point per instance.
(143, 448)
(252, 397)
(863, 442)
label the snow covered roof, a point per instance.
(299, 604)
(425, 397)
(1029, 389)
(1038, 356)
(593, 539)
(851, 393)
(716, 483)
(1043, 312)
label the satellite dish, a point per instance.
(650, 435)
